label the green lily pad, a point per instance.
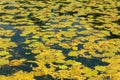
(3, 61)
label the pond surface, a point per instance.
(59, 40)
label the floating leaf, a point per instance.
(3, 53)
(100, 68)
(62, 67)
(3, 61)
(73, 53)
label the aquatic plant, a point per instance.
(59, 39)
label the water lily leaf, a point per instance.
(3, 61)
(3, 53)
(62, 67)
(100, 68)
(73, 53)
(60, 61)
(75, 48)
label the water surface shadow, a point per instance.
(89, 62)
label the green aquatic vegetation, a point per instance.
(65, 45)
(50, 55)
(73, 54)
(5, 46)
(4, 53)
(6, 17)
(19, 75)
(6, 43)
(104, 48)
(60, 61)
(3, 61)
(74, 48)
(7, 33)
(16, 62)
(100, 68)
(37, 47)
(59, 39)
(62, 67)
(27, 30)
(67, 34)
(72, 62)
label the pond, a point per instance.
(59, 40)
